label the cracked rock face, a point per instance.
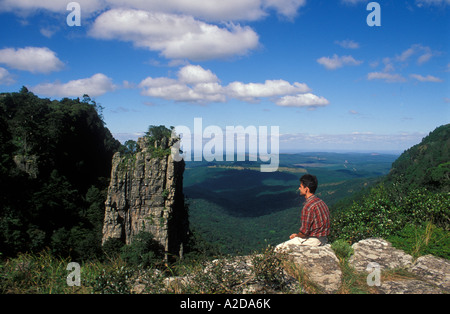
(378, 251)
(321, 265)
(408, 287)
(433, 269)
(146, 194)
(433, 273)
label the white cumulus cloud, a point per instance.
(303, 100)
(171, 89)
(211, 10)
(32, 59)
(95, 85)
(6, 77)
(178, 29)
(198, 85)
(270, 88)
(195, 74)
(175, 36)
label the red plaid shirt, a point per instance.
(315, 218)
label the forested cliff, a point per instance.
(425, 165)
(54, 168)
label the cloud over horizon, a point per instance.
(197, 85)
(364, 141)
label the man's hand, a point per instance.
(295, 235)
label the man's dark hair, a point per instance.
(310, 182)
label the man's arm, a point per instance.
(306, 219)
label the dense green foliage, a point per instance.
(155, 136)
(45, 273)
(158, 133)
(382, 214)
(160, 136)
(144, 251)
(425, 165)
(415, 192)
(423, 239)
(54, 170)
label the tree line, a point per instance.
(55, 163)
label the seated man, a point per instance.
(315, 218)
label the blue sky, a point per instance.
(313, 68)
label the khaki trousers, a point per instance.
(300, 241)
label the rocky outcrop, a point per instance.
(433, 269)
(380, 252)
(146, 194)
(320, 265)
(432, 274)
(426, 275)
(315, 270)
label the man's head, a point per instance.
(309, 181)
